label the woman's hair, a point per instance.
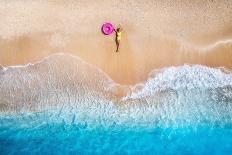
(118, 28)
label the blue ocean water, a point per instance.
(63, 105)
(79, 139)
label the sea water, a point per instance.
(78, 139)
(63, 105)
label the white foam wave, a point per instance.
(207, 48)
(65, 89)
(183, 77)
(217, 44)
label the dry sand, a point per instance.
(156, 33)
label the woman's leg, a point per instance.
(117, 44)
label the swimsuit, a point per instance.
(119, 35)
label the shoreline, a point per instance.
(131, 65)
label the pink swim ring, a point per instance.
(107, 28)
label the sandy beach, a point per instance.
(156, 34)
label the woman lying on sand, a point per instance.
(118, 37)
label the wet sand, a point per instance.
(156, 34)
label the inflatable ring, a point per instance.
(107, 28)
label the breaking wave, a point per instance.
(63, 88)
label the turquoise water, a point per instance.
(52, 138)
(63, 105)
